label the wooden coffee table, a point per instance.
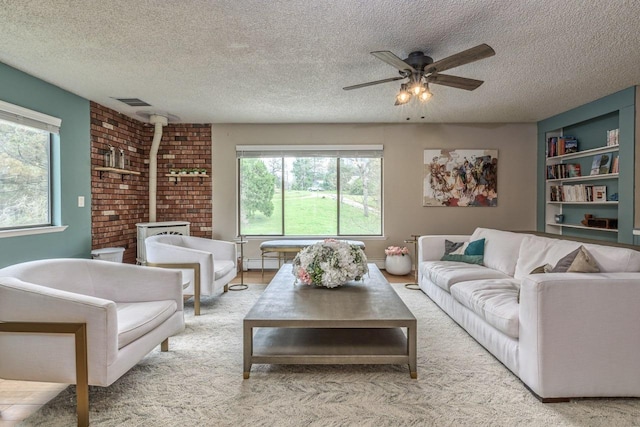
(357, 323)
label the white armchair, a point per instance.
(217, 259)
(128, 310)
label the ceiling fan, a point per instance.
(421, 70)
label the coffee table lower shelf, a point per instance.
(323, 346)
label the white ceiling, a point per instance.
(279, 61)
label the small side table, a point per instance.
(414, 239)
(240, 286)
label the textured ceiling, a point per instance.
(278, 61)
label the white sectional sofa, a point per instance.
(565, 335)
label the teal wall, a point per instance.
(589, 124)
(72, 178)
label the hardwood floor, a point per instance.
(20, 399)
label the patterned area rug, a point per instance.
(199, 383)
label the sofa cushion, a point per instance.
(135, 319)
(494, 300)
(445, 274)
(222, 268)
(501, 248)
(536, 251)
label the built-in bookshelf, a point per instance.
(571, 192)
(589, 171)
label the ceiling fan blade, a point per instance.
(465, 57)
(377, 82)
(393, 60)
(454, 81)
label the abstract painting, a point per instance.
(462, 177)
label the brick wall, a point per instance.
(185, 146)
(118, 204)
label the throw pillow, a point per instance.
(461, 252)
(450, 246)
(538, 270)
(467, 248)
(475, 248)
(469, 259)
(578, 261)
(565, 262)
(584, 263)
(542, 269)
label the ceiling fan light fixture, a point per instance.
(403, 96)
(426, 94)
(417, 89)
(420, 70)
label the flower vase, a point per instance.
(330, 263)
(398, 265)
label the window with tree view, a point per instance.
(333, 193)
(24, 176)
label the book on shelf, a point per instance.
(562, 170)
(615, 166)
(578, 193)
(612, 137)
(551, 172)
(601, 164)
(573, 170)
(571, 146)
(605, 163)
(552, 144)
(559, 146)
(595, 165)
(599, 193)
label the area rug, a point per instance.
(199, 383)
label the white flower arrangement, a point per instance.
(330, 263)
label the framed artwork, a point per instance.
(460, 178)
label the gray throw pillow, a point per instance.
(538, 270)
(578, 261)
(450, 246)
(542, 269)
(583, 263)
(565, 262)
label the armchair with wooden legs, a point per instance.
(217, 260)
(118, 313)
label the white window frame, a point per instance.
(336, 151)
(34, 119)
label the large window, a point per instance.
(310, 191)
(25, 160)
